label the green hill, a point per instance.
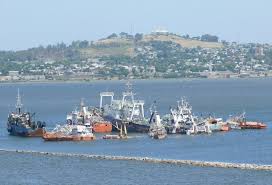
(114, 45)
(109, 47)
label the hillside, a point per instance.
(187, 43)
(109, 47)
(155, 55)
(123, 46)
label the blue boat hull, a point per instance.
(17, 130)
(131, 127)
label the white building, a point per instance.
(160, 31)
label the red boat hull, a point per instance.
(252, 125)
(102, 127)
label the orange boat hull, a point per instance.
(225, 128)
(102, 127)
(59, 137)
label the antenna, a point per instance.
(19, 104)
(153, 107)
(129, 86)
(131, 29)
(81, 104)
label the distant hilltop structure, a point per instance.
(160, 31)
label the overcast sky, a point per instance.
(30, 23)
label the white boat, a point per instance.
(69, 133)
(215, 124)
(180, 118)
(199, 127)
(90, 117)
(128, 109)
(235, 121)
(156, 130)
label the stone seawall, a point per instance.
(152, 160)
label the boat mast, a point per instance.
(19, 104)
(128, 93)
(82, 111)
(82, 105)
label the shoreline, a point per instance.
(122, 80)
(196, 163)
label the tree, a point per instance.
(83, 44)
(187, 36)
(138, 37)
(209, 38)
(123, 35)
(114, 35)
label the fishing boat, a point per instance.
(89, 116)
(242, 123)
(217, 124)
(233, 124)
(69, 133)
(128, 109)
(21, 123)
(199, 126)
(157, 129)
(252, 125)
(180, 118)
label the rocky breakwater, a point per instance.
(151, 160)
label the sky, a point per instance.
(30, 23)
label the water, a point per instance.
(46, 170)
(222, 98)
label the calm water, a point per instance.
(46, 170)
(222, 98)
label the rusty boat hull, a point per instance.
(252, 125)
(47, 136)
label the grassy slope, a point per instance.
(187, 43)
(117, 46)
(109, 51)
(108, 47)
